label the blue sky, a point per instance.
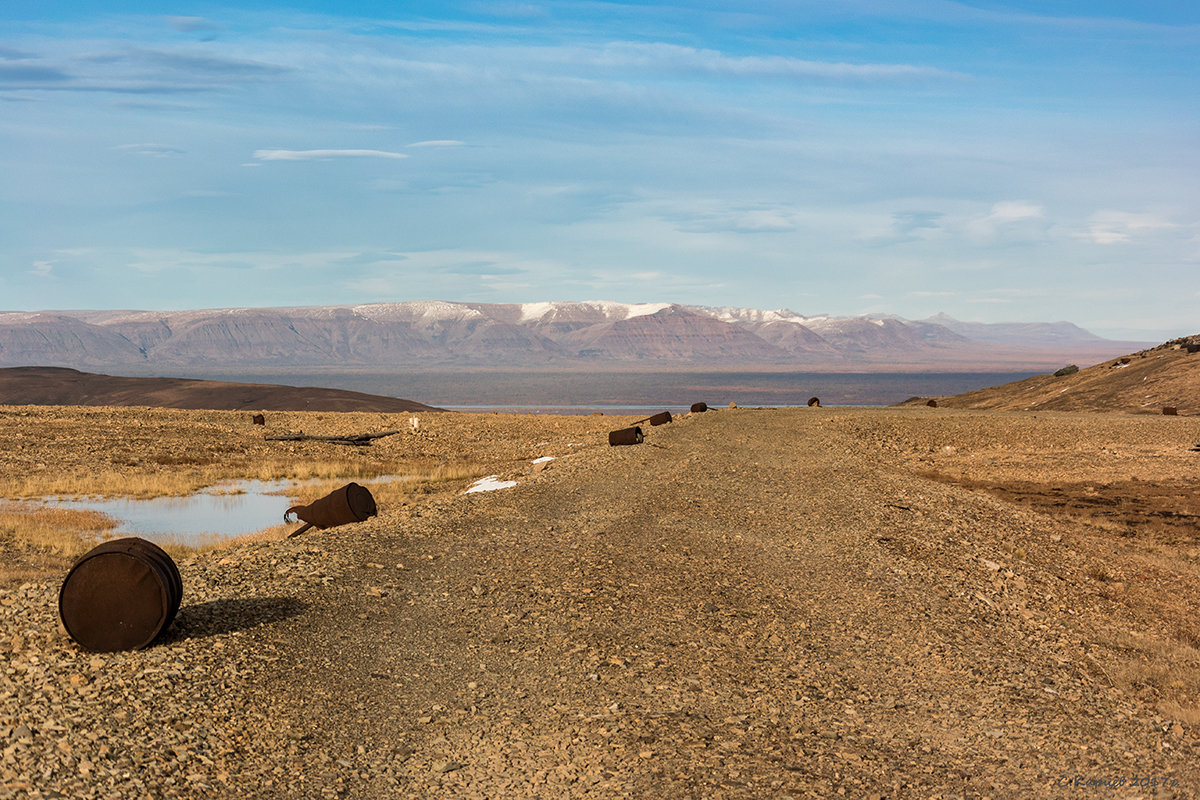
(999, 161)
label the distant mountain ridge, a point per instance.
(597, 333)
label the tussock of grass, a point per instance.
(61, 531)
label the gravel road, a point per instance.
(752, 603)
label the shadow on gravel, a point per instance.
(234, 614)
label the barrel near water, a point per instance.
(120, 595)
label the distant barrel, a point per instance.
(625, 436)
(699, 408)
(661, 418)
(258, 419)
(814, 402)
(120, 595)
(931, 403)
(1171, 411)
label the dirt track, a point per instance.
(753, 603)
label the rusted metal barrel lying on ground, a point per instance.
(1171, 411)
(699, 408)
(258, 419)
(661, 418)
(120, 595)
(814, 401)
(351, 503)
(931, 403)
(625, 436)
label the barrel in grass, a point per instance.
(120, 595)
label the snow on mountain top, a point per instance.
(423, 310)
(612, 311)
(734, 314)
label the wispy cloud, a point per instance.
(677, 58)
(322, 155)
(149, 149)
(42, 268)
(194, 24)
(1120, 227)
(438, 143)
(1011, 220)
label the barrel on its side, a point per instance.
(661, 418)
(814, 402)
(351, 503)
(1171, 411)
(120, 595)
(699, 408)
(625, 436)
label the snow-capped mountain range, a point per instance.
(387, 336)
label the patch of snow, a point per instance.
(733, 314)
(620, 311)
(542, 460)
(490, 484)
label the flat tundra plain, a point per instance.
(812, 602)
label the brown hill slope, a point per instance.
(1144, 382)
(57, 386)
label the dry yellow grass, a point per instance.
(186, 479)
(61, 531)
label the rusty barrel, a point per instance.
(931, 403)
(351, 503)
(661, 418)
(699, 408)
(625, 436)
(120, 595)
(814, 402)
(258, 419)
(1171, 411)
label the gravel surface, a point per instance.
(752, 603)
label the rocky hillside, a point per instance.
(1166, 376)
(57, 386)
(385, 335)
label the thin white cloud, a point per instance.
(150, 149)
(672, 57)
(42, 268)
(193, 24)
(1011, 219)
(438, 143)
(1119, 227)
(322, 155)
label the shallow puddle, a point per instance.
(224, 511)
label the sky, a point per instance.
(996, 161)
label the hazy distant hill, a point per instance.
(67, 387)
(392, 335)
(1142, 382)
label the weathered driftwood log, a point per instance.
(358, 440)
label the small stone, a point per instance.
(446, 766)
(646, 754)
